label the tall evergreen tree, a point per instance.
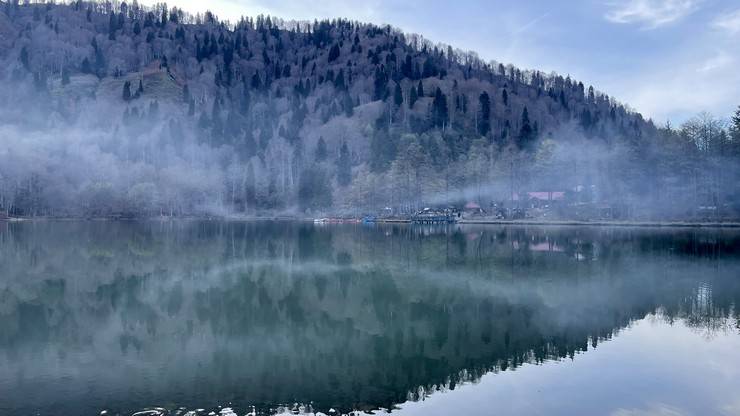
(440, 112)
(334, 53)
(380, 84)
(24, 59)
(127, 91)
(321, 153)
(397, 96)
(526, 132)
(412, 97)
(484, 114)
(112, 24)
(344, 166)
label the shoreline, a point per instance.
(553, 223)
(575, 223)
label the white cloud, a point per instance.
(721, 60)
(729, 22)
(650, 13)
(658, 409)
(683, 86)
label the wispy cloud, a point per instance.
(729, 22)
(685, 85)
(530, 24)
(650, 13)
(720, 60)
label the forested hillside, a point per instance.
(114, 108)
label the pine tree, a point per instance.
(348, 105)
(397, 96)
(339, 81)
(505, 97)
(112, 26)
(256, 82)
(85, 67)
(440, 112)
(526, 132)
(380, 84)
(24, 59)
(127, 91)
(163, 21)
(484, 116)
(99, 59)
(321, 153)
(344, 166)
(334, 53)
(420, 90)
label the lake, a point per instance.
(267, 317)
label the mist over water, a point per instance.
(134, 315)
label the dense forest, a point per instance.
(112, 108)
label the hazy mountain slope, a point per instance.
(149, 111)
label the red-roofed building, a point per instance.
(472, 209)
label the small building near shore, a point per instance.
(540, 199)
(473, 209)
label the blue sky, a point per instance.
(668, 59)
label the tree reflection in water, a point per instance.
(196, 314)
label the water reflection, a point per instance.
(122, 316)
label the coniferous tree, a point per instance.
(420, 90)
(484, 117)
(348, 105)
(380, 84)
(127, 91)
(112, 22)
(99, 59)
(85, 67)
(344, 166)
(397, 96)
(334, 53)
(526, 132)
(339, 81)
(321, 153)
(440, 113)
(24, 59)
(412, 97)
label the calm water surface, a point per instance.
(172, 317)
